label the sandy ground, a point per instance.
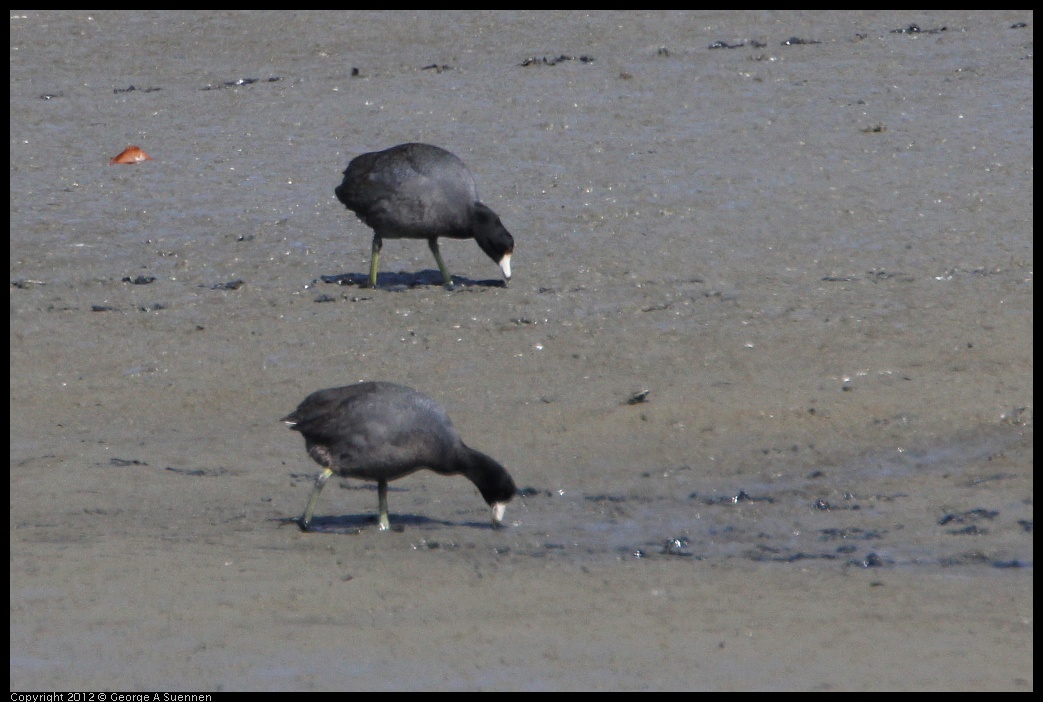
(815, 256)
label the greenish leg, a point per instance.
(382, 498)
(320, 481)
(374, 262)
(447, 280)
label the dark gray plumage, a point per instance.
(419, 191)
(383, 431)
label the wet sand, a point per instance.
(815, 256)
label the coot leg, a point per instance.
(447, 280)
(375, 261)
(382, 497)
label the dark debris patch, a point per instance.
(741, 496)
(915, 29)
(797, 41)
(853, 533)
(827, 506)
(344, 279)
(638, 397)
(138, 280)
(1018, 417)
(432, 545)
(776, 555)
(971, 515)
(132, 89)
(880, 274)
(990, 478)
(971, 530)
(553, 61)
(725, 45)
(197, 472)
(872, 561)
(969, 558)
(122, 462)
(437, 68)
(239, 82)
(677, 546)
(102, 308)
(605, 498)
(230, 285)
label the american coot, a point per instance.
(382, 431)
(419, 191)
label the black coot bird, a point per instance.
(382, 431)
(419, 191)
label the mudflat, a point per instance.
(763, 373)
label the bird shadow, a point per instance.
(404, 280)
(356, 523)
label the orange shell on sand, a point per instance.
(131, 154)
